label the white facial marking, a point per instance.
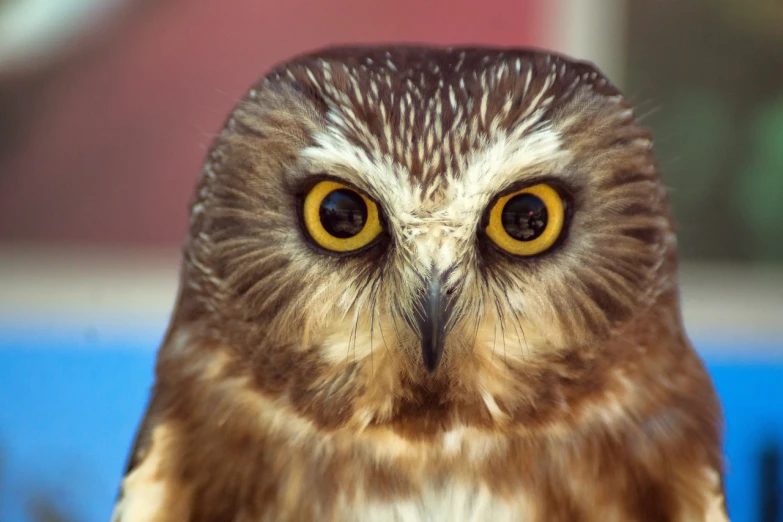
(439, 232)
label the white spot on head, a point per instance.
(528, 79)
(483, 109)
(502, 69)
(452, 98)
(460, 61)
(312, 78)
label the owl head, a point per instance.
(377, 228)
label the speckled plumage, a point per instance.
(290, 384)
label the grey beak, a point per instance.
(433, 318)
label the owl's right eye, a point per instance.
(339, 218)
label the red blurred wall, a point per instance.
(115, 144)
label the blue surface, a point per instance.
(70, 403)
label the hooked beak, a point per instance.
(434, 313)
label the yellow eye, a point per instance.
(340, 219)
(527, 222)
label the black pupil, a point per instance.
(524, 217)
(343, 213)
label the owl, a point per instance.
(429, 284)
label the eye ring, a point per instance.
(339, 218)
(527, 222)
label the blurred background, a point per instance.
(106, 110)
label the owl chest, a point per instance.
(454, 502)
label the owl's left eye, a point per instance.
(527, 222)
(339, 218)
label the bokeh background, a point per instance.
(106, 110)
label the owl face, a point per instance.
(408, 215)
